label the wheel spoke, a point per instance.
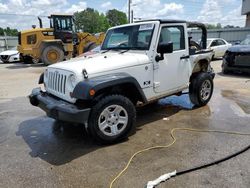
(114, 129)
(123, 120)
(103, 125)
(117, 110)
(106, 113)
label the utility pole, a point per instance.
(132, 16)
(129, 5)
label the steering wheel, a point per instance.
(122, 45)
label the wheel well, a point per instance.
(201, 66)
(128, 90)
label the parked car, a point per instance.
(218, 45)
(237, 58)
(11, 55)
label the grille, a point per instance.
(57, 82)
(4, 57)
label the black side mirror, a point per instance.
(164, 48)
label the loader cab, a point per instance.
(63, 26)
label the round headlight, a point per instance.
(72, 81)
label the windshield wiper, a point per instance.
(115, 49)
(105, 51)
(124, 51)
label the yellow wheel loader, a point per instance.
(54, 44)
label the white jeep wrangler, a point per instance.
(138, 63)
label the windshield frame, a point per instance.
(104, 45)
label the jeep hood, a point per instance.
(100, 63)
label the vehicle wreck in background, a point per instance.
(237, 58)
(139, 63)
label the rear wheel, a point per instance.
(52, 54)
(201, 89)
(112, 118)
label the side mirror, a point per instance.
(164, 48)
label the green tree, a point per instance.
(214, 26)
(116, 17)
(8, 31)
(91, 21)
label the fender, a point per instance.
(41, 79)
(98, 83)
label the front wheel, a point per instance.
(201, 89)
(52, 54)
(112, 118)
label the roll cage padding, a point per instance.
(204, 32)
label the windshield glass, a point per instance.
(136, 37)
(246, 41)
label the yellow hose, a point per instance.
(166, 146)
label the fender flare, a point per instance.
(81, 91)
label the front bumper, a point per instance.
(58, 109)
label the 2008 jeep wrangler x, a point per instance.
(138, 63)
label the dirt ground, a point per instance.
(36, 152)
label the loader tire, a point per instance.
(52, 54)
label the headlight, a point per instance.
(72, 81)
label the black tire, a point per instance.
(197, 85)
(27, 60)
(224, 70)
(52, 54)
(105, 105)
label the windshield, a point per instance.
(246, 41)
(137, 37)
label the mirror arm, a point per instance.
(159, 58)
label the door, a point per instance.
(173, 72)
(222, 47)
(214, 46)
(63, 28)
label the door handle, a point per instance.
(185, 57)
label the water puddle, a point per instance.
(242, 99)
(182, 101)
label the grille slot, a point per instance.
(57, 82)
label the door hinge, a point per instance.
(157, 84)
(156, 66)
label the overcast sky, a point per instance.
(226, 12)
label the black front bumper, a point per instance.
(58, 109)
